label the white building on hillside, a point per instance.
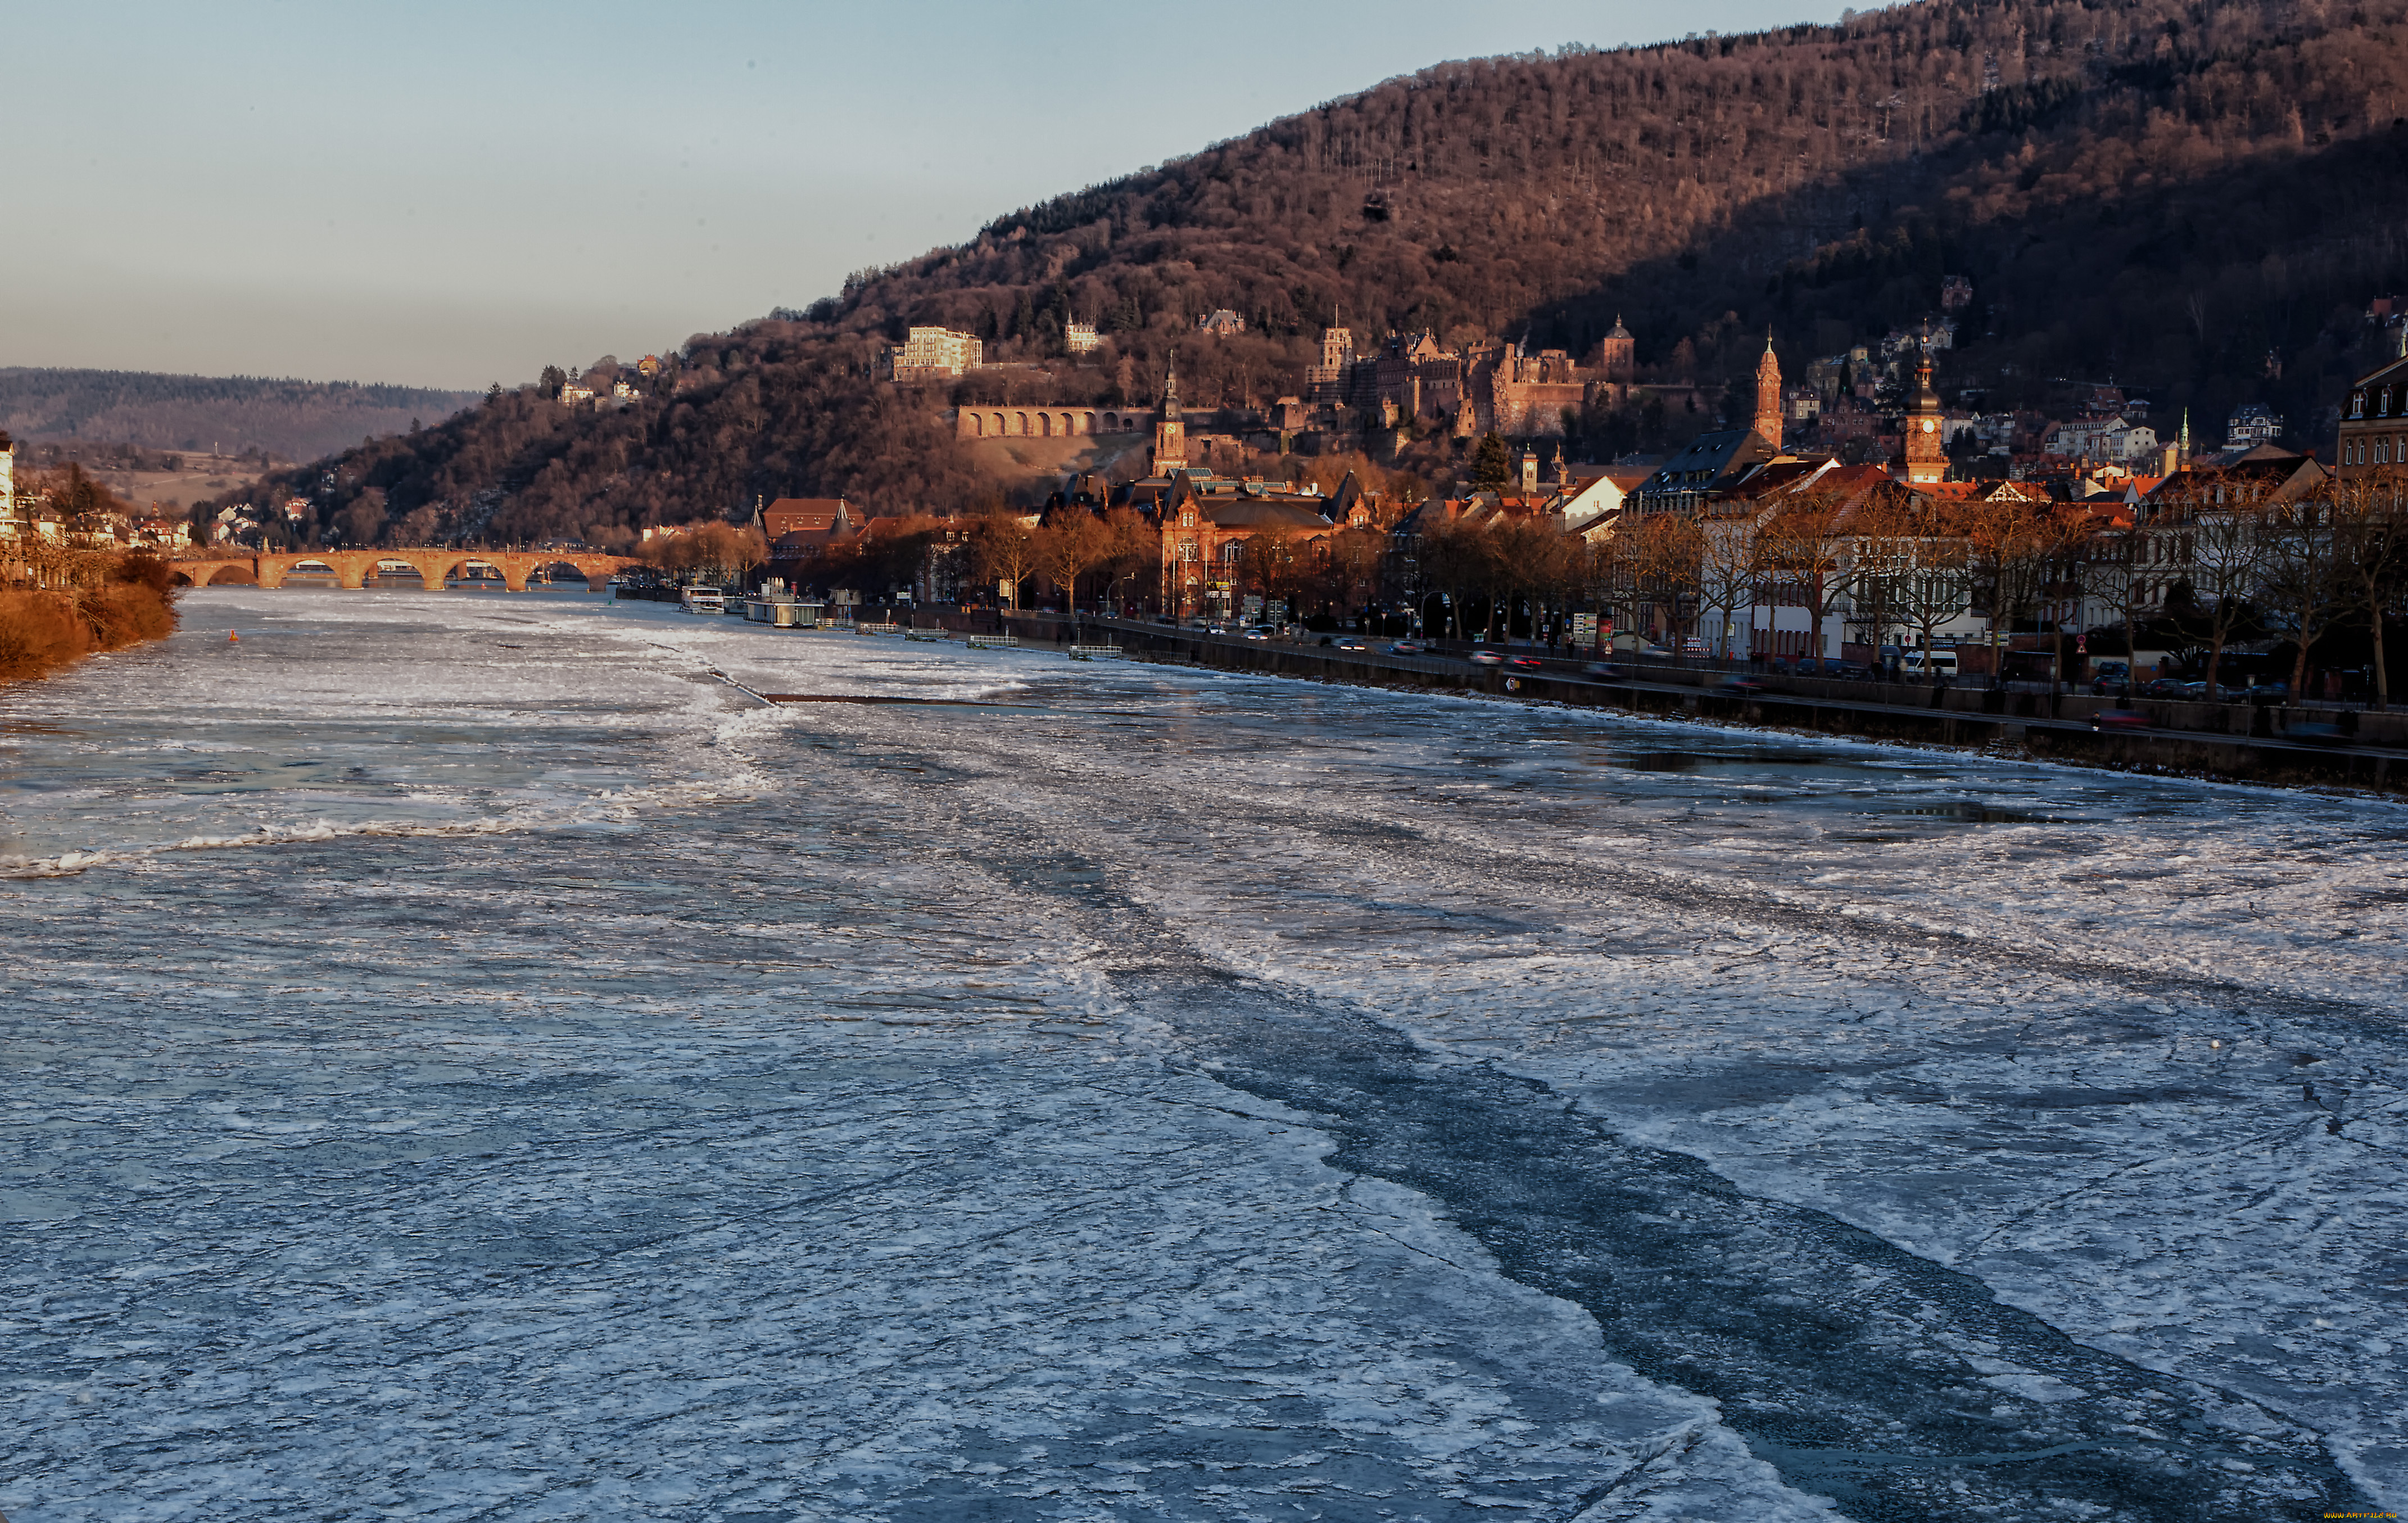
(2114, 440)
(933, 354)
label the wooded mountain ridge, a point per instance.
(2197, 199)
(298, 420)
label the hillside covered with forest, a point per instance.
(2194, 199)
(232, 415)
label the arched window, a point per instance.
(1231, 550)
(978, 425)
(1021, 419)
(999, 426)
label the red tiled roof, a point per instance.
(804, 515)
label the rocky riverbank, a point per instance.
(114, 602)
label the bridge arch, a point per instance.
(217, 573)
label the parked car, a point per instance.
(2110, 687)
(1853, 670)
(1526, 663)
(1408, 647)
(2164, 688)
(2202, 693)
(2270, 692)
(1487, 658)
(2108, 721)
(1921, 664)
(1611, 671)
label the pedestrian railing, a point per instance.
(993, 642)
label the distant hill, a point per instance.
(2195, 198)
(298, 420)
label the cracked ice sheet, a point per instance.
(2178, 1143)
(650, 1153)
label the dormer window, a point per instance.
(2358, 404)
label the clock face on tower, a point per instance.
(1929, 425)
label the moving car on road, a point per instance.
(1611, 671)
(1525, 663)
(1408, 647)
(2110, 721)
(1487, 658)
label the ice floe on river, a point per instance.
(466, 1059)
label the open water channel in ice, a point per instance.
(463, 1060)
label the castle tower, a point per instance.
(1337, 347)
(1325, 383)
(1170, 433)
(1768, 395)
(1925, 452)
(1617, 356)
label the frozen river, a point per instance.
(463, 1060)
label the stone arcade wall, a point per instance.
(1049, 422)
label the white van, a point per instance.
(1931, 663)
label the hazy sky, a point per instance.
(449, 194)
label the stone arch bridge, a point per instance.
(352, 567)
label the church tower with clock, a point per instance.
(1169, 430)
(1925, 454)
